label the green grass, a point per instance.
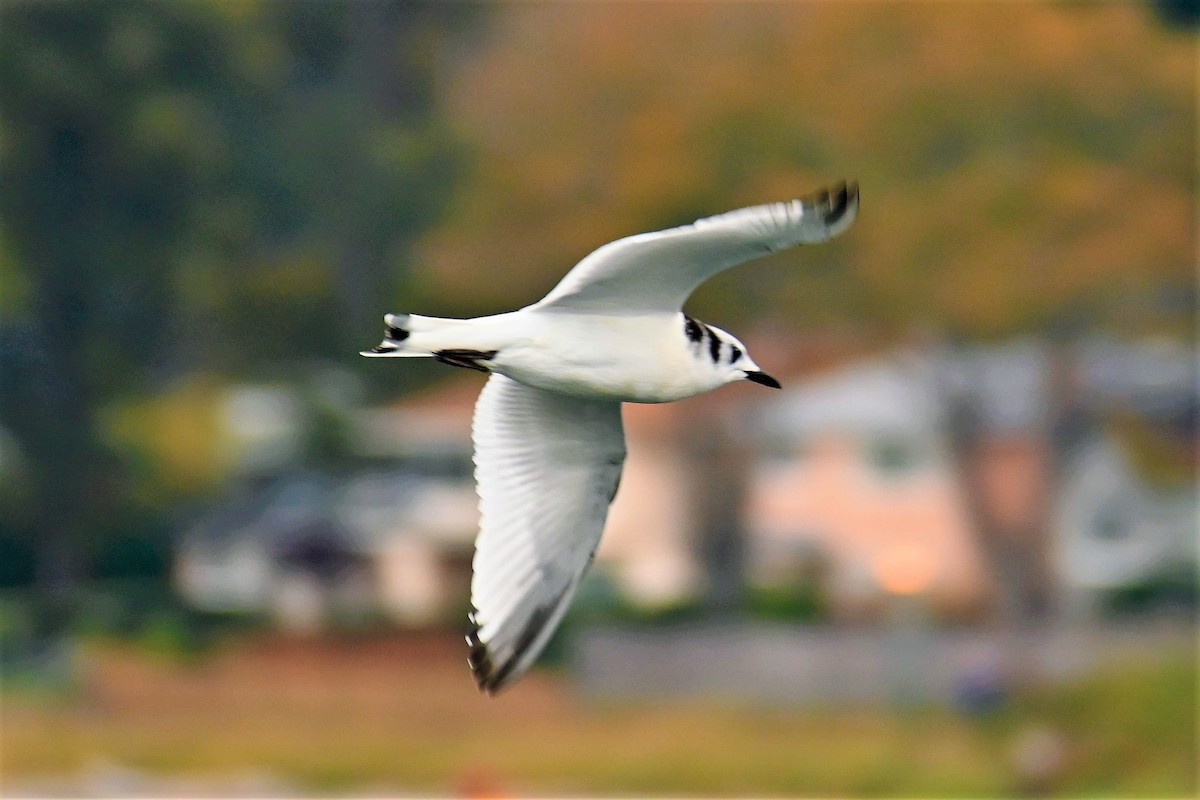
(368, 715)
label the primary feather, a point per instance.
(547, 466)
(659, 271)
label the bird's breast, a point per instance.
(627, 359)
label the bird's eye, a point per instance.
(735, 353)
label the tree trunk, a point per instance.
(717, 479)
(1014, 539)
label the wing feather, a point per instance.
(658, 271)
(547, 466)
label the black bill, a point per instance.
(763, 378)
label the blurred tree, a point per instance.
(1181, 13)
(1013, 160)
(96, 189)
(191, 187)
(718, 473)
(361, 165)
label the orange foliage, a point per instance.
(1014, 157)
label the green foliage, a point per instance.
(140, 611)
(142, 555)
(795, 604)
(1178, 590)
(194, 187)
(176, 635)
(17, 560)
(1184, 14)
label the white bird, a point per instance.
(547, 431)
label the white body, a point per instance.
(573, 353)
(549, 445)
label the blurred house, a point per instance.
(847, 477)
(855, 471)
(422, 520)
(1128, 502)
(309, 551)
(393, 539)
(1116, 528)
(1091, 445)
(850, 484)
(275, 549)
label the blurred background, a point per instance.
(955, 556)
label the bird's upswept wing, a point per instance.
(547, 466)
(657, 271)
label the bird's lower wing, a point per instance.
(547, 466)
(658, 271)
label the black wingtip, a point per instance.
(478, 658)
(490, 677)
(833, 202)
(845, 197)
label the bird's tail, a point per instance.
(449, 340)
(397, 336)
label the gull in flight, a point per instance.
(547, 431)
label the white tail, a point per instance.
(414, 336)
(397, 330)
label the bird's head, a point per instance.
(725, 353)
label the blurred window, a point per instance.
(1110, 525)
(894, 457)
(786, 450)
(455, 466)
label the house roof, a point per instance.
(436, 419)
(277, 512)
(883, 395)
